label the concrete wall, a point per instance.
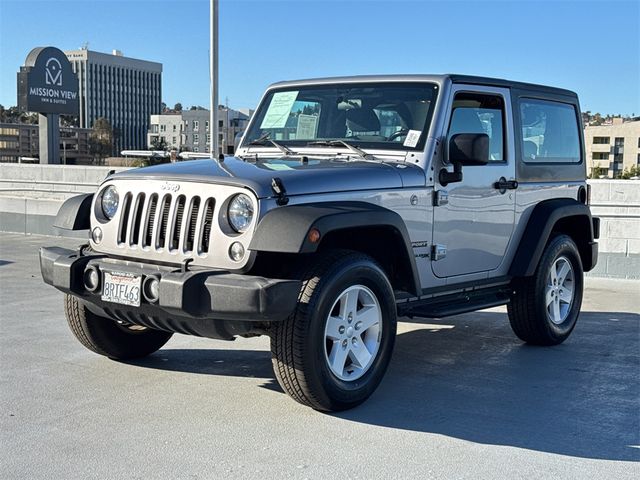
(617, 203)
(30, 195)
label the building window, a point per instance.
(154, 128)
(600, 156)
(601, 140)
(163, 128)
(173, 140)
(220, 138)
(619, 142)
(195, 149)
(196, 138)
(196, 125)
(174, 127)
(208, 138)
(220, 124)
(206, 125)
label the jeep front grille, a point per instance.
(170, 222)
(166, 222)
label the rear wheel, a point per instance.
(333, 351)
(544, 308)
(109, 338)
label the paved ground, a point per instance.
(463, 399)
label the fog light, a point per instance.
(236, 252)
(91, 279)
(151, 288)
(96, 235)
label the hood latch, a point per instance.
(279, 191)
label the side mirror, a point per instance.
(469, 149)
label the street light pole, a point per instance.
(213, 74)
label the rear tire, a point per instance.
(106, 337)
(333, 350)
(544, 308)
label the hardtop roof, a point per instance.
(440, 79)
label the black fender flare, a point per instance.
(541, 223)
(75, 213)
(286, 229)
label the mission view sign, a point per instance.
(47, 83)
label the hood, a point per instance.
(323, 175)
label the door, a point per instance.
(473, 219)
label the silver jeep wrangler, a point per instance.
(350, 202)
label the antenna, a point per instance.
(85, 46)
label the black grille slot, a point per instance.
(191, 226)
(137, 219)
(164, 221)
(177, 224)
(206, 226)
(153, 204)
(124, 219)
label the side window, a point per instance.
(480, 113)
(549, 132)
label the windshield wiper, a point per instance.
(337, 142)
(265, 140)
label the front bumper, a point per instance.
(187, 299)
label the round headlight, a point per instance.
(240, 212)
(109, 201)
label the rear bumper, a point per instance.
(189, 295)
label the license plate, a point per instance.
(122, 287)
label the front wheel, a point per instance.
(333, 351)
(544, 308)
(109, 338)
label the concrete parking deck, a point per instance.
(463, 398)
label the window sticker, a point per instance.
(278, 166)
(412, 138)
(279, 109)
(307, 126)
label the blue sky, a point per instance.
(592, 47)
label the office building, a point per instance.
(613, 147)
(20, 142)
(125, 91)
(188, 131)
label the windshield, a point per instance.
(371, 115)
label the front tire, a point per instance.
(544, 308)
(106, 337)
(333, 350)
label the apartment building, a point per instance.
(188, 131)
(612, 148)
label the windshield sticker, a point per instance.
(279, 109)
(307, 126)
(412, 138)
(278, 166)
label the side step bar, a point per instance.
(455, 304)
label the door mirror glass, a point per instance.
(469, 149)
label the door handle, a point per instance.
(503, 185)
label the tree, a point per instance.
(158, 143)
(163, 107)
(178, 107)
(101, 139)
